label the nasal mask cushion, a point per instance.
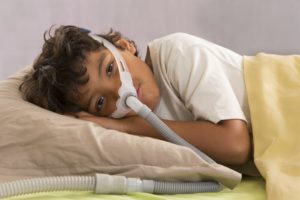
(127, 89)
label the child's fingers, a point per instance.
(74, 115)
(83, 114)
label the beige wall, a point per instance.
(242, 25)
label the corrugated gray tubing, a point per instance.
(102, 186)
(143, 111)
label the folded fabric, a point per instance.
(36, 142)
(273, 87)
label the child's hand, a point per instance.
(132, 124)
(105, 122)
(83, 115)
(126, 124)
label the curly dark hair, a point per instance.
(58, 71)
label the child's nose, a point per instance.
(115, 88)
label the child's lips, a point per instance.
(138, 91)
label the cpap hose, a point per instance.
(146, 113)
(102, 184)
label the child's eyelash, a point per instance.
(109, 68)
(100, 103)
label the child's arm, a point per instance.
(227, 142)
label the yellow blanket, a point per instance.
(273, 87)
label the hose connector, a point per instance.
(107, 184)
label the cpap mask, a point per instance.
(127, 89)
(108, 184)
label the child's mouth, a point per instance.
(138, 90)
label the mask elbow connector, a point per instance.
(138, 107)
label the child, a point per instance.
(196, 87)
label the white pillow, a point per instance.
(37, 142)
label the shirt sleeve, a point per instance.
(197, 75)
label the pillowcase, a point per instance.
(37, 142)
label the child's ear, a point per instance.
(126, 45)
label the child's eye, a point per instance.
(100, 103)
(109, 69)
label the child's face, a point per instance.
(100, 94)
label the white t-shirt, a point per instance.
(198, 80)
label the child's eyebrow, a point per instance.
(101, 59)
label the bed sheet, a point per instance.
(251, 188)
